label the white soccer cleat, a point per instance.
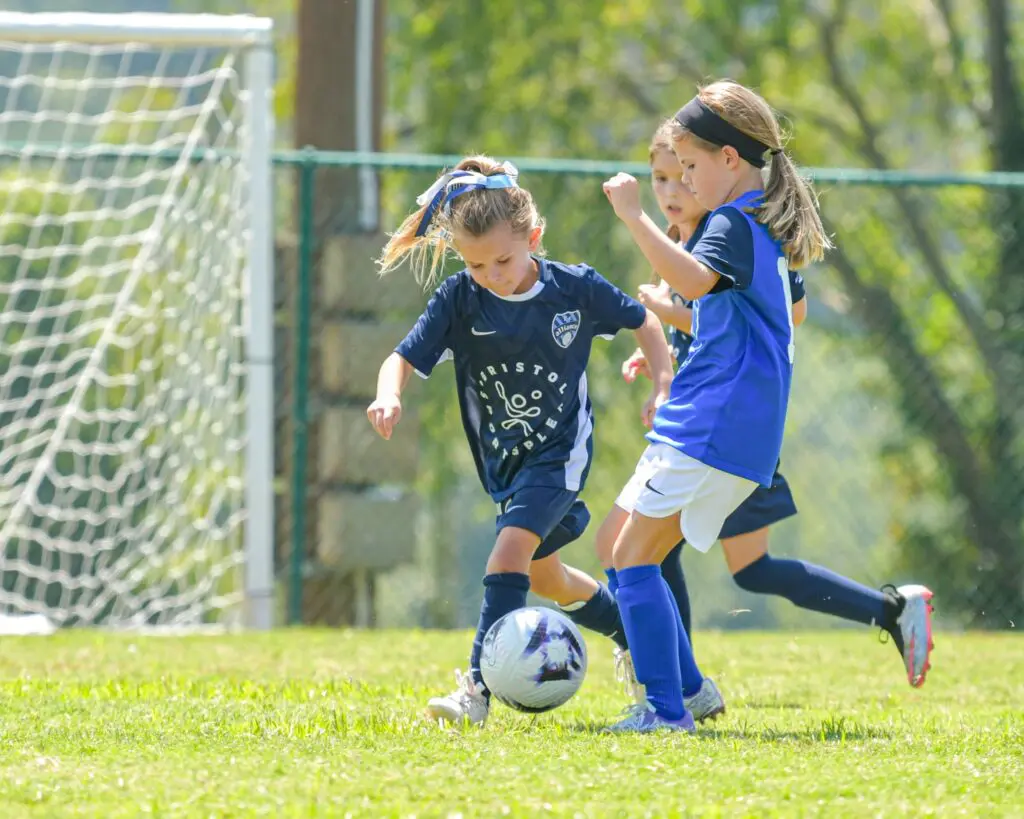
(466, 704)
(915, 624)
(707, 703)
(625, 674)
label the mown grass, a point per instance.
(324, 723)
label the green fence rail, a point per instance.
(546, 165)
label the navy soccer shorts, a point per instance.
(556, 516)
(764, 507)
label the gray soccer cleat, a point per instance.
(707, 703)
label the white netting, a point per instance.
(122, 390)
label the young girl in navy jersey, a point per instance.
(519, 329)
(720, 433)
(744, 535)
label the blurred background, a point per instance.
(905, 439)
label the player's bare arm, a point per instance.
(658, 298)
(669, 308)
(386, 410)
(684, 274)
(651, 338)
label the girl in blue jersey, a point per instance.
(744, 535)
(519, 329)
(719, 435)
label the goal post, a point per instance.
(136, 319)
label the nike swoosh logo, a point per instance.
(476, 332)
(655, 491)
(518, 506)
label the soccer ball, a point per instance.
(533, 659)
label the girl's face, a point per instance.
(500, 260)
(711, 175)
(675, 200)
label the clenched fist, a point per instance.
(623, 191)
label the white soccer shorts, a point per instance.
(666, 481)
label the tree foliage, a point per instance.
(924, 282)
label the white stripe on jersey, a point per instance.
(578, 455)
(447, 355)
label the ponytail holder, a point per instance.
(455, 183)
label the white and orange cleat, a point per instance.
(915, 625)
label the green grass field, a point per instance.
(317, 723)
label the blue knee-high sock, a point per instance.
(672, 571)
(601, 614)
(503, 593)
(652, 631)
(816, 588)
(689, 673)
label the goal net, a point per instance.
(135, 324)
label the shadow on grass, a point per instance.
(831, 730)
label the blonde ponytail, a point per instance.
(790, 212)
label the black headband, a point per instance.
(702, 122)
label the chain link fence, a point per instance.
(905, 438)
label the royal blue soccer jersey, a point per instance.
(520, 369)
(743, 251)
(727, 407)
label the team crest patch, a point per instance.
(564, 327)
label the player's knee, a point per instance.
(513, 551)
(645, 541)
(745, 550)
(629, 552)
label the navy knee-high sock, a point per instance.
(672, 571)
(652, 629)
(503, 593)
(818, 589)
(601, 614)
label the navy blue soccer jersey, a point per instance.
(520, 370)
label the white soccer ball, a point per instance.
(533, 659)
